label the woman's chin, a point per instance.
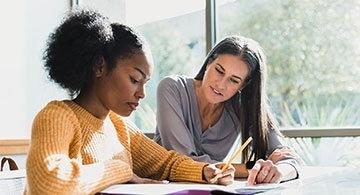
(123, 113)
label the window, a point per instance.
(313, 56)
(313, 52)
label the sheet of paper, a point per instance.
(242, 187)
(236, 187)
(156, 188)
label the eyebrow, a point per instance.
(142, 73)
(223, 69)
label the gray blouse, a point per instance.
(179, 124)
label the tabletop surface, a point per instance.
(314, 180)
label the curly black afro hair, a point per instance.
(80, 42)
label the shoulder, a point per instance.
(174, 85)
(55, 108)
(55, 112)
(176, 81)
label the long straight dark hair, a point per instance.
(250, 104)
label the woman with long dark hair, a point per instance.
(203, 117)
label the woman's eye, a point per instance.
(134, 81)
(234, 81)
(219, 71)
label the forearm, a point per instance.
(164, 164)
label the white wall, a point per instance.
(12, 67)
(24, 86)
(24, 89)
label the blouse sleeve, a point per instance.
(275, 142)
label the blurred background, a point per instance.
(313, 51)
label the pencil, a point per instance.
(236, 153)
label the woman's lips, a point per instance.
(216, 91)
(133, 105)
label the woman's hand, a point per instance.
(139, 180)
(264, 172)
(282, 153)
(213, 174)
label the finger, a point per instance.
(253, 173)
(221, 166)
(262, 174)
(276, 178)
(215, 179)
(217, 171)
(269, 176)
(226, 180)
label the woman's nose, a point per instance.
(221, 83)
(141, 92)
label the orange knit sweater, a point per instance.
(73, 152)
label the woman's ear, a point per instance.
(99, 67)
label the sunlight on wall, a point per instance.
(24, 86)
(12, 67)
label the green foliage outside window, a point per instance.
(313, 52)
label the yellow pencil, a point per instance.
(236, 153)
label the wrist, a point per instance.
(203, 173)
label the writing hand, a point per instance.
(213, 174)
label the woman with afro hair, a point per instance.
(83, 145)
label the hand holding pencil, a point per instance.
(214, 175)
(223, 173)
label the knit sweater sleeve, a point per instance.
(151, 160)
(50, 170)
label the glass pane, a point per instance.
(334, 151)
(175, 31)
(313, 52)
